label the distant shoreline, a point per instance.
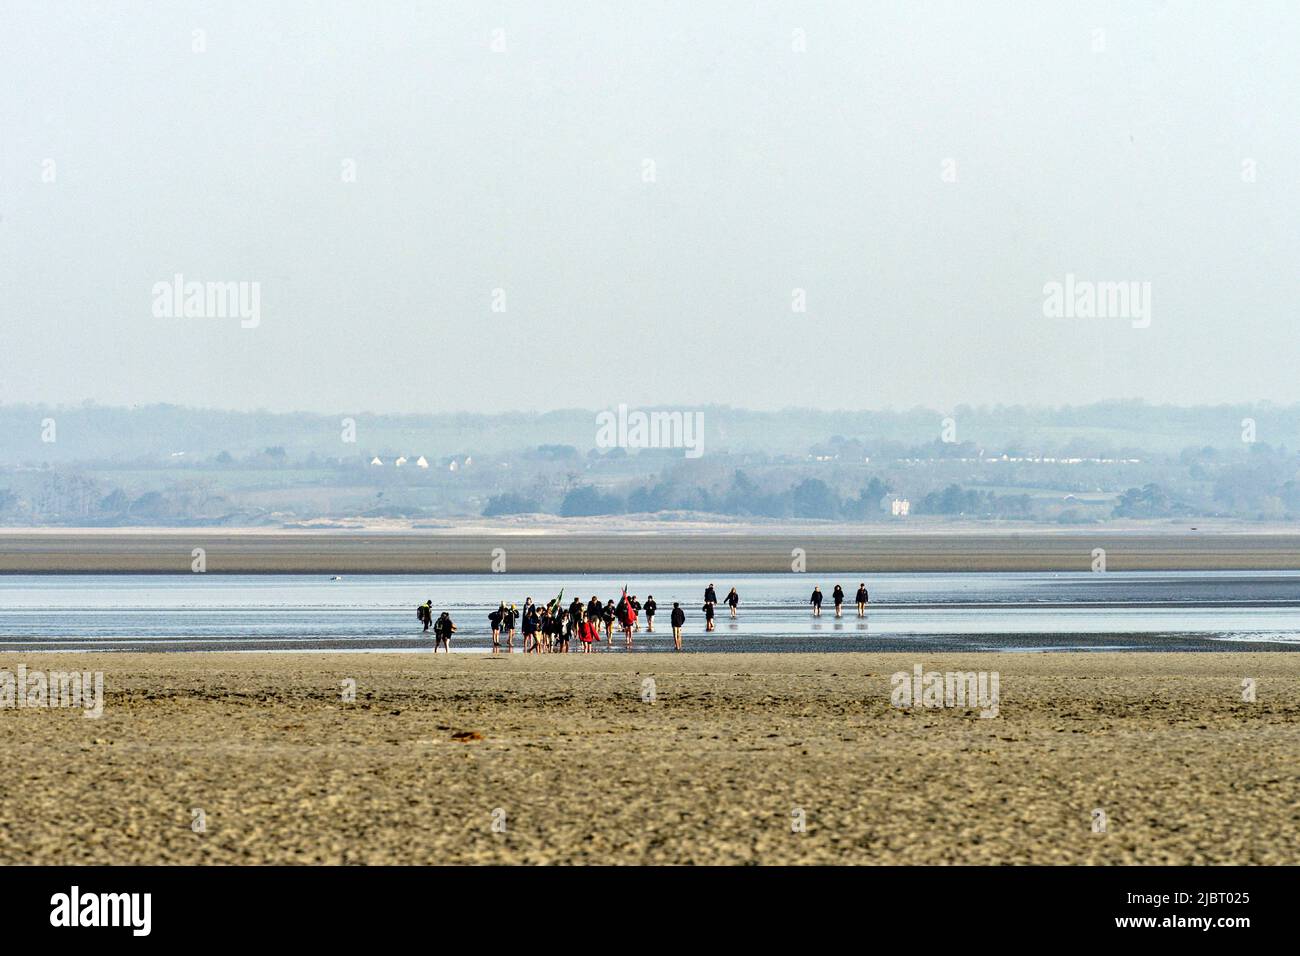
(132, 551)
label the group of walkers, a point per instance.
(550, 628)
(710, 602)
(443, 627)
(838, 597)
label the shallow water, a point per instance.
(1230, 610)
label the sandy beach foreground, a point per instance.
(566, 757)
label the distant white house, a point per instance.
(375, 461)
(421, 462)
(900, 507)
(400, 461)
(468, 461)
(453, 466)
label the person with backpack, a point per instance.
(495, 619)
(530, 626)
(556, 643)
(575, 615)
(425, 614)
(626, 617)
(608, 614)
(508, 626)
(545, 627)
(862, 599)
(678, 621)
(442, 631)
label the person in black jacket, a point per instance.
(678, 621)
(710, 595)
(495, 620)
(838, 597)
(426, 615)
(530, 623)
(508, 626)
(862, 599)
(443, 628)
(816, 601)
(650, 608)
(553, 629)
(608, 614)
(733, 599)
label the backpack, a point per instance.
(419, 613)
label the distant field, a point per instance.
(220, 478)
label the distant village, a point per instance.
(170, 466)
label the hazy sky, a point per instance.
(775, 168)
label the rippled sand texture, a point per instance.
(564, 753)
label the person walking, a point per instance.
(650, 608)
(495, 619)
(425, 613)
(442, 632)
(529, 623)
(861, 597)
(586, 632)
(733, 599)
(607, 614)
(563, 625)
(508, 627)
(838, 597)
(626, 615)
(678, 620)
(550, 629)
(816, 601)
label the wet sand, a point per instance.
(869, 549)
(580, 769)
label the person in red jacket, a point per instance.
(587, 632)
(626, 617)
